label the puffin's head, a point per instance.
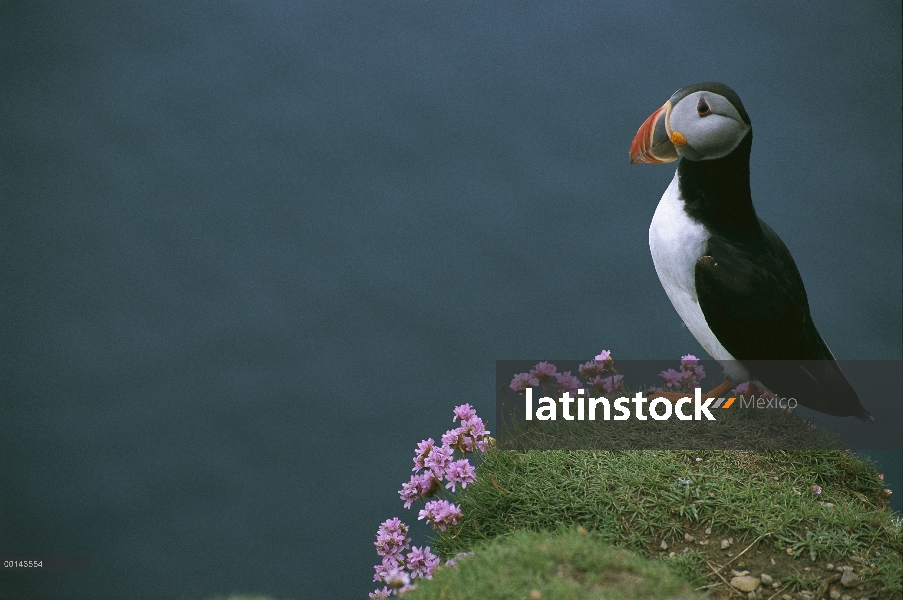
(699, 122)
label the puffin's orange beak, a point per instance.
(652, 144)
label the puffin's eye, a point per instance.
(702, 108)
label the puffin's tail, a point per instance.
(864, 415)
(816, 384)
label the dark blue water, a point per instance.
(252, 253)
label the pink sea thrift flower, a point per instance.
(410, 491)
(438, 460)
(603, 356)
(692, 377)
(688, 362)
(464, 412)
(422, 485)
(392, 538)
(397, 578)
(472, 433)
(590, 369)
(452, 437)
(460, 471)
(567, 382)
(672, 378)
(423, 450)
(609, 384)
(382, 594)
(522, 381)
(474, 428)
(612, 383)
(596, 383)
(441, 514)
(741, 390)
(388, 564)
(543, 372)
(422, 562)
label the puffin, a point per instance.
(727, 273)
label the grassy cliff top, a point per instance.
(800, 517)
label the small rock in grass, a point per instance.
(703, 542)
(752, 596)
(745, 583)
(664, 545)
(829, 566)
(535, 595)
(688, 537)
(849, 578)
(708, 531)
(835, 595)
(766, 579)
(671, 554)
(725, 544)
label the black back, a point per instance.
(749, 288)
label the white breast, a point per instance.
(676, 242)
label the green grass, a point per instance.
(553, 566)
(637, 499)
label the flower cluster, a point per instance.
(433, 464)
(599, 373)
(741, 390)
(391, 542)
(441, 514)
(685, 380)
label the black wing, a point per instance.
(754, 301)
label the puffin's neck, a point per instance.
(716, 192)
